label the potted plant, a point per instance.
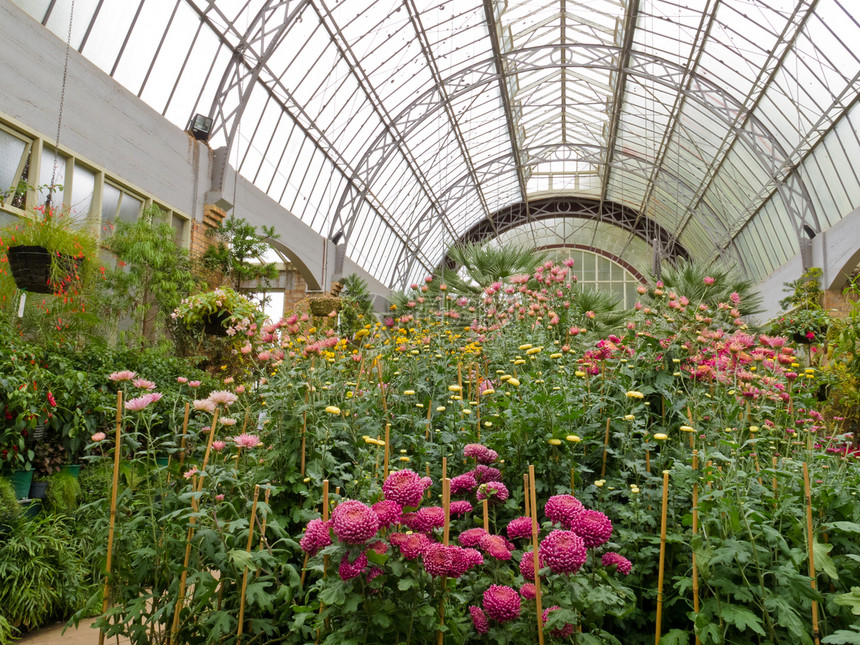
(218, 312)
(48, 251)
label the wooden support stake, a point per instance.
(382, 389)
(605, 445)
(648, 461)
(184, 437)
(662, 556)
(806, 491)
(695, 532)
(245, 573)
(536, 562)
(429, 414)
(446, 505)
(486, 516)
(526, 494)
(387, 448)
(304, 432)
(572, 481)
(773, 481)
(117, 450)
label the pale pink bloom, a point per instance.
(228, 380)
(99, 436)
(190, 473)
(245, 440)
(568, 262)
(240, 389)
(246, 349)
(708, 280)
(125, 375)
(204, 405)
(138, 404)
(223, 397)
(219, 445)
(143, 384)
(219, 497)
(228, 422)
(181, 379)
(193, 383)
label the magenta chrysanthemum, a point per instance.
(527, 564)
(492, 491)
(624, 565)
(389, 512)
(460, 507)
(475, 451)
(379, 547)
(593, 527)
(528, 591)
(404, 487)
(354, 522)
(316, 537)
(484, 474)
(465, 482)
(474, 557)
(495, 546)
(563, 509)
(563, 551)
(438, 559)
(348, 570)
(373, 573)
(501, 603)
(520, 527)
(471, 537)
(564, 632)
(479, 619)
(426, 482)
(425, 519)
(411, 545)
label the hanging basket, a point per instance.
(324, 305)
(216, 324)
(31, 267)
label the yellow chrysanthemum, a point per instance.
(635, 394)
(687, 429)
(514, 382)
(332, 409)
(573, 438)
(409, 392)
(661, 436)
(554, 442)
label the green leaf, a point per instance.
(822, 559)
(240, 558)
(675, 637)
(741, 618)
(377, 558)
(406, 583)
(842, 637)
(851, 599)
(851, 527)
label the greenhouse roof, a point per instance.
(402, 125)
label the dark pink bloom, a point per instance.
(527, 564)
(495, 546)
(438, 559)
(479, 619)
(388, 512)
(411, 545)
(528, 591)
(563, 551)
(316, 537)
(501, 603)
(520, 527)
(465, 482)
(348, 570)
(484, 474)
(404, 487)
(564, 632)
(354, 522)
(624, 565)
(493, 491)
(563, 509)
(471, 537)
(593, 527)
(460, 508)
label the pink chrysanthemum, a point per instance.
(563, 509)
(495, 546)
(563, 551)
(411, 545)
(484, 474)
(528, 591)
(501, 603)
(426, 482)
(471, 537)
(354, 522)
(593, 527)
(141, 402)
(348, 570)
(373, 573)
(404, 487)
(124, 375)
(204, 405)
(475, 451)
(465, 482)
(624, 565)
(474, 557)
(389, 512)
(223, 397)
(143, 384)
(316, 537)
(492, 491)
(479, 619)
(379, 547)
(564, 632)
(438, 559)
(520, 527)
(245, 440)
(527, 564)
(460, 507)
(218, 445)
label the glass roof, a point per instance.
(403, 123)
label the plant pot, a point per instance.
(162, 462)
(38, 490)
(73, 469)
(214, 324)
(31, 267)
(21, 480)
(32, 508)
(324, 305)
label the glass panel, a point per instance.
(11, 150)
(83, 186)
(110, 205)
(52, 173)
(129, 208)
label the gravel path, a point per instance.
(83, 635)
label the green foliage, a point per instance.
(10, 509)
(153, 274)
(63, 493)
(689, 279)
(485, 264)
(238, 252)
(356, 310)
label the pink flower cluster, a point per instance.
(493, 491)
(480, 453)
(316, 537)
(563, 509)
(593, 527)
(563, 551)
(501, 603)
(404, 487)
(623, 564)
(354, 522)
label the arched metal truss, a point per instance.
(608, 212)
(748, 132)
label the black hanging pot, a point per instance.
(216, 324)
(31, 268)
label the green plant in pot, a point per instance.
(49, 251)
(63, 493)
(216, 312)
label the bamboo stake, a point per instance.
(184, 438)
(460, 375)
(325, 557)
(486, 516)
(387, 447)
(572, 481)
(429, 414)
(382, 389)
(304, 431)
(526, 494)
(695, 532)
(245, 424)
(812, 583)
(536, 562)
(114, 486)
(648, 461)
(446, 505)
(773, 480)
(245, 573)
(758, 470)
(605, 445)
(662, 556)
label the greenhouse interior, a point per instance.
(432, 322)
